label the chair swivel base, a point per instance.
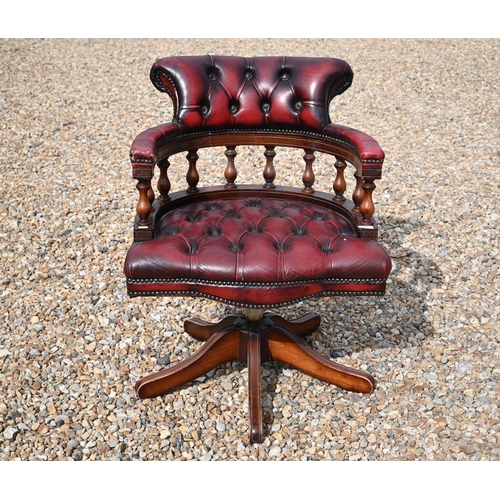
(254, 338)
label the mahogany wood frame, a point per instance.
(360, 210)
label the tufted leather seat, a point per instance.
(300, 248)
(254, 246)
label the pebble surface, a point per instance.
(72, 344)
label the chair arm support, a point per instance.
(369, 159)
(143, 156)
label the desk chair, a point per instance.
(254, 247)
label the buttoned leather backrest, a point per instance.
(218, 92)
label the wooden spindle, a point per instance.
(367, 208)
(151, 195)
(163, 181)
(358, 194)
(192, 177)
(339, 185)
(143, 206)
(269, 170)
(230, 173)
(308, 177)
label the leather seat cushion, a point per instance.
(254, 241)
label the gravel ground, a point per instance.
(72, 344)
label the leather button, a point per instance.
(248, 75)
(266, 107)
(233, 107)
(285, 76)
(203, 110)
(298, 106)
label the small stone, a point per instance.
(467, 449)
(227, 385)
(179, 404)
(335, 353)
(275, 451)
(103, 448)
(73, 443)
(10, 433)
(267, 416)
(43, 429)
(464, 367)
(165, 360)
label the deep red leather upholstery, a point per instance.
(225, 91)
(256, 252)
(260, 251)
(239, 93)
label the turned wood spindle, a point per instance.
(230, 173)
(143, 206)
(339, 185)
(367, 208)
(308, 177)
(358, 193)
(163, 181)
(192, 177)
(269, 170)
(151, 196)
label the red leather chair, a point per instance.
(255, 247)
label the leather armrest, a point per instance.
(366, 146)
(145, 146)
